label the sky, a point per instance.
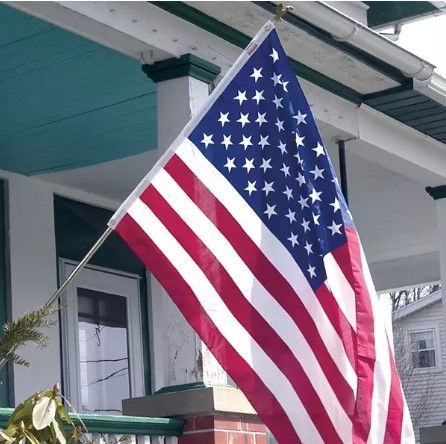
(426, 38)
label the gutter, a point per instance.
(435, 89)
(345, 29)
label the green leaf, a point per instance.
(62, 411)
(44, 412)
(6, 437)
(30, 437)
(59, 434)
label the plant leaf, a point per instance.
(62, 411)
(30, 437)
(59, 434)
(44, 412)
(6, 437)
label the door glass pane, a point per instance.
(103, 351)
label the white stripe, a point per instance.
(257, 295)
(276, 253)
(225, 321)
(407, 432)
(341, 289)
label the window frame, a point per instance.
(425, 327)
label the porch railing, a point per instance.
(113, 429)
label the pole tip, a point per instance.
(281, 10)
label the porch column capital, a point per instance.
(437, 192)
(188, 65)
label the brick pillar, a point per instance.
(223, 429)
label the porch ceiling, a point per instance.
(67, 102)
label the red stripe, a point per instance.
(266, 405)
(265, 273)
(395, 411)
(245, 313)
(348, 258)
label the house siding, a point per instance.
(426, 389)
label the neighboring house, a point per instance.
(420, 348)
(81, 123)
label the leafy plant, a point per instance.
(41, 419)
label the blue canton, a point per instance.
(260, 134)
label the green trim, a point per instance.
(362, 56)
(135, 425)
(437, 192)
(181, 387)
(383, 12)
(237, 38)
(186, 65)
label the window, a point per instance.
(423, 349)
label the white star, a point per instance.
(309, 248)
(303, 202)
(335, 205)
(268, 187)
(285, 169)
(207, 140)
(306, 225)
(270, 210)
(263, 141)
(246, 142)
(301, 179)
(223, 118)
(251, 187)
(282, 147)
(261, 119)
(226, 141)
(293, 239)
(279, 125)
(266, 164)
(335, 228)
(319, 150)
(276, 78)
(289, 193)
(230, 164)
(311, 271)
(317, 172)
(299, 160)
(316, 218)
(256, 73)
(291, 216)
(243, 119)
(258, 96)
(315, 195)
(278, 101)
(274, 55)
(241, 97)
(249, 164)
(284, 84)
(299, 140)
(300, 118)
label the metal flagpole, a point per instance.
(79, 267)
(343, 169)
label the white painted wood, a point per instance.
(441, 235)
(108, 281)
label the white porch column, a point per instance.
(178, 355)
(439, 196)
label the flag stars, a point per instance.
(241, 97)
(266, 164)
(289, 193)
(306, 225)
(268, 187)
(311, 271)
(299, 140)
(263, 141)
(317, 172)
(335, 204)
(309, 248)
(300, 118)
(274, 55)
(315, 195)
(316, 218)
(270, 211)
(284, 86)
(249, 164)
(291, 216)
(285, 169)
(207, 140)
(279, 124)
(293, 239)
(335, 228)
(226, 141)
(319, 150)
(301, 179)
(261, 119)
(258, 96)
(276, 79)
(243, 120)
(251, 187)
(230, 164)
(282, 147)
(256, 74)
(278, 102)
(303, 202)
(223, 118)
(246, 141)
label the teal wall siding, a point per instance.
(67, 102)
(77, 227)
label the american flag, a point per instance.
(244, 224)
